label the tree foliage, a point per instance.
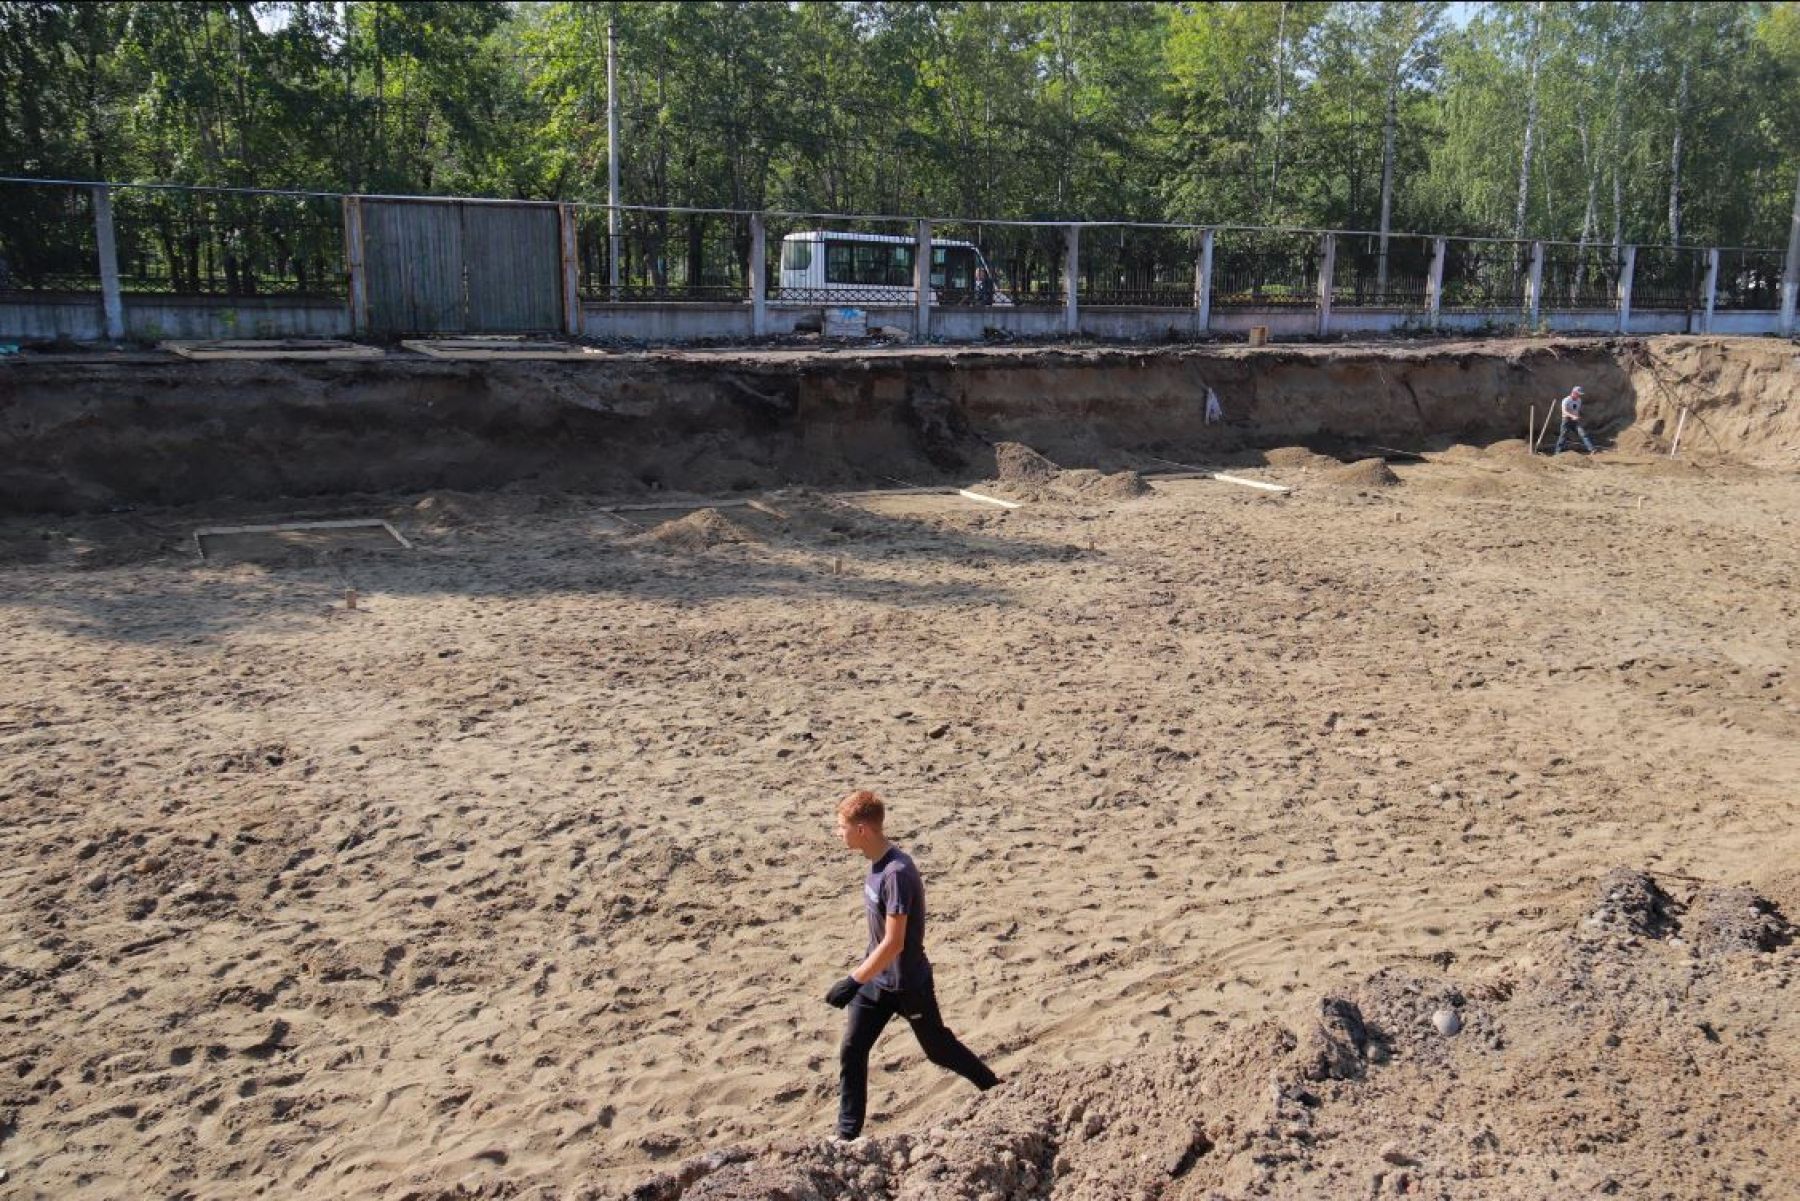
(1596, 121)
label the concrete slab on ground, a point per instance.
(271, 348)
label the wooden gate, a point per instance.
(451, 267)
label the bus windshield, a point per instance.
(953, 268)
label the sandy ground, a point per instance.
(519, 877)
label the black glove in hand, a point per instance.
(841, 992)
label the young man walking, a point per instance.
(894, 976)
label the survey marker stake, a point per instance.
(1679, 426)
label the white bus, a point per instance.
(822, 266)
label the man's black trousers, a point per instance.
(868, 1017)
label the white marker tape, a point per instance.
(992, 500)
(1238, 479)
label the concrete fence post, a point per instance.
(1327, 268)
(1434, 285)
(1534, 287)
(1071, 274)
(1627, 270)
(759, 276)
(358, 282)
(1709, 296)
(112, 302)
(566, 218)
(1790, 273)
(1203, 284)
(922, 281)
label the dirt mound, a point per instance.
(1094, 485)
(1110, 1130)
(1724, 921)
(1296, 456)
(1631, 902)
(1481, 486)
(807, 515)
(1019, 464)
(1507, 448)
(1461, 452)
(1364, 473)
(1026, 475)
(1401, 1085)
(699, 530)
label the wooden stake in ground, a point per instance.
(1680, 425)
(1540, 438)
(1530, 429)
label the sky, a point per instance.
(1461, 13)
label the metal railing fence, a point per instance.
(1667, 278)
(1363, 277)
(1485, 273)
(73, 236)
(1580, 277)
(1266, 269)
(228, 244)
(47, 239)
(1749, 280)
(1142, 266)
(664, 257)
(1026, 262)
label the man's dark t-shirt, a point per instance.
(894, 886)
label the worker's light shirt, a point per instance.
(1571, 407)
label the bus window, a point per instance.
(796, 256)
(883, 264)
(900, 271)
(838, 269)
(872, 264)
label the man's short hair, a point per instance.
(862, 806)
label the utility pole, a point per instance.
(612, 160)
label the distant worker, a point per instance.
(984, 287)
(1571, 420)
(894, 976)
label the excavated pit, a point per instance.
(517, 877)
(85, 435)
